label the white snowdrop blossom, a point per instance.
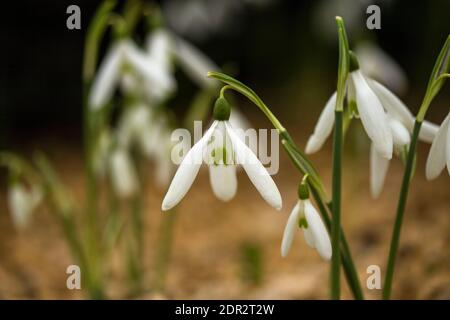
(22, 202)
(371, 113)
(305, 216)
(439, 155)
(122, 58)
(163, 46)
(123, 175)
(221, 149)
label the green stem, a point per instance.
(400, 212)
(336, 205)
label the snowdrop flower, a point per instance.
(221, 148)
(306, 217)
(439, 155)
(371, 113)
(22, 202)
(123, 175)
(163, 44)
(125, 55)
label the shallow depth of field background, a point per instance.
(287, 52)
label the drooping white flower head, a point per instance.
(305, 216)
(163, 46)
(221, 149)
(387, 121)
(439, 155)
(124, 58)
(22, 202)
(123, 175)
(371, 113)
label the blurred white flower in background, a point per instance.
(22, 201)
(378, 65)
(439, 155)
(123, 173)
(124, 56)
(200, 19)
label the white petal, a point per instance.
(159, 47)
(392, 104)
(107, 77)
(436, 157)
(123, 174)
(378, 169)
(291, 227)
(323, 127)
(154, 73)
(321, 239)
(187, 171)
(195, 63)
(21, 203)
(223, 181)
(428, 131)
(255, 170)
(309, 237)
(400, 135)
(373, 116)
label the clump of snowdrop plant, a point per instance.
(386, 119)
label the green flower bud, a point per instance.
(222, 109)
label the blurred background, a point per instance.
(287, 52)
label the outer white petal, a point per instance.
(373, 116)
(400, 111)
(223, 181)
(21, 203)
(291, 227)
(123, 174)
(195, 63)
(321, 239)
(323, 127)
(148, 67)
(378, 169)
(428, 131)
(436, 158)
(255, 170)
(400, 135)
(107, 77)
(159, 47)
(187, 171)
(309, 237)
(392, 104)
